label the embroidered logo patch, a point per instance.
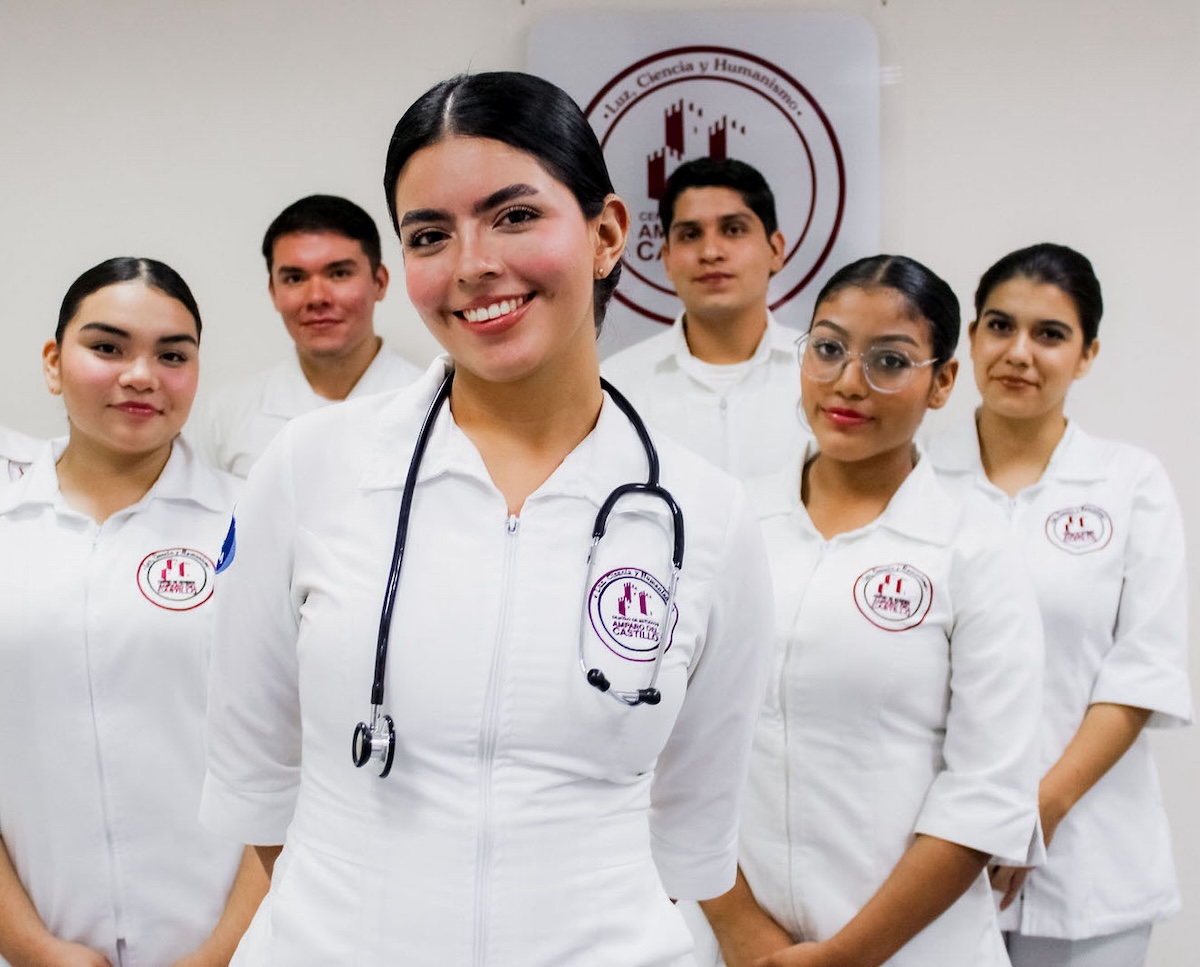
(1079, 530)
(626, 606)
(177, 579)
(894, 597)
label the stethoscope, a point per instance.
(378, 740)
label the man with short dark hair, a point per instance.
(724, 380)
(325, 276)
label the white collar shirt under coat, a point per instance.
(232, 427)
(103, 667)
(749, 429)
(1102, 537)
(904, 700)
(528, 818)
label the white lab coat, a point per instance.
(904, 700)
(16, 453)
(528, 818)
(748, 430)
(103, 666)
(1102, 537)
(232, 427)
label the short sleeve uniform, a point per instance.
(233, 427)
(1102, 538)
(103, 673)
(748, 429)
(528, 819)
(903, 701)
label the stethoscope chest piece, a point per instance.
(375, 741)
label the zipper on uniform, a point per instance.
(488, 738)
(823, 547)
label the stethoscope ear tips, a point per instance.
(374, 742)
(649, 696)
(597, 679)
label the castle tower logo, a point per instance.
(719, 102)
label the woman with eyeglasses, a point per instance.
(895, 751)
(1100, 532)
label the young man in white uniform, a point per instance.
(723, 380)
(16, 453)
(325, 277)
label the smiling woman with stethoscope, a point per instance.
(377, 740)
(537, 545)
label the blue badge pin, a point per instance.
(228, 546)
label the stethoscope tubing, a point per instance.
(406, 499)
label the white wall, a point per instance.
(178, 131)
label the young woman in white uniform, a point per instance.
(1101, 534)
(107, 546)
(528, 819)
(896, 749)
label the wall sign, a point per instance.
(795, 95)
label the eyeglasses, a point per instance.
(887, 369)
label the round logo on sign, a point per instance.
(718, 102)
(626, 606)
(177, 579)
(894, 597)
(1079, 530)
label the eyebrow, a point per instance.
(327, 267)
(112, 330)
(494, 200)
(1049, 321)
(723, 219)
(887, 337)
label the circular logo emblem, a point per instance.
(626, 608)
(1079, 530)
(177, 579)
(894, 597)
(696, 102)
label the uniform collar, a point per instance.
(1077, 457)
(185, 477)
(908, 512)
(776, 339)
(287, 393)
(18, 447)
(610, 452)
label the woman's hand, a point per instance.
(803, 955)
(755, 945)
(745, 931)
(61, 953)
(1007, 881)
(199, 959)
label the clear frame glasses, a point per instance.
(887, 369)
